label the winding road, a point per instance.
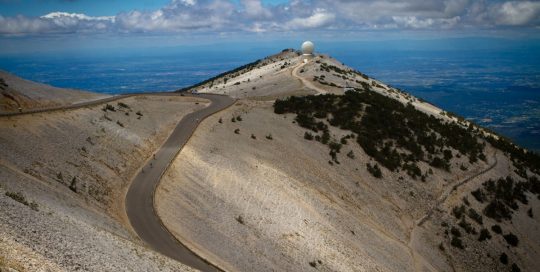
(140, 196)
(88, 103)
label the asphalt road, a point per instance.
(88, 103)
(140, 196)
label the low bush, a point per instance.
(475, 216)
(458, 211)
(484, 235)
(503, 258)
(123, 105)
(478, 194)
(455, 232)
(456, 242)
(108, 107)
(511, 239)
(374, 170)
(396, 136)
(308, 136)
(497, 229)
(19, 197)
(240, 220)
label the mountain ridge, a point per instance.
(316, 166)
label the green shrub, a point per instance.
(108, 107)
(484, 235)
(466, 226)
(237, 131)
(374, 170)
(475, 216)
(269, 137)
(385, 129)
(503, 258)
(308, 136)
(479, 195)
(19, 197)
(497, 210)
(458, 211)
(497, 229)
(351, 155)
(73, 185)
(456, 242)
(123, 105)
(511, 239)
(515, 268)
(455, 232)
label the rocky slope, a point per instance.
(63, 178)
(256, 190)
(350, 175)
(20, 94)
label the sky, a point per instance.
(34, 25)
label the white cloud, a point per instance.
(516, 13)
(419, 23)
(78, 16)
(254, 9)
(253, 16)
(55, 22)
(319, 18)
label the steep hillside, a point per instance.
(360, 177)
(63, 179)
(20, 94)
(316, 167)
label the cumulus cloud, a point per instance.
(412, 22)
(319, 18)
(56, 22)
(516, 13)
(295, 15)
(254, 9)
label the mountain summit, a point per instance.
(315, 166)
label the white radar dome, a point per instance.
(308, 48)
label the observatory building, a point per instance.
(307, 51)
(308, 48)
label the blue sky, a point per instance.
(88, 7)
(41, 24)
